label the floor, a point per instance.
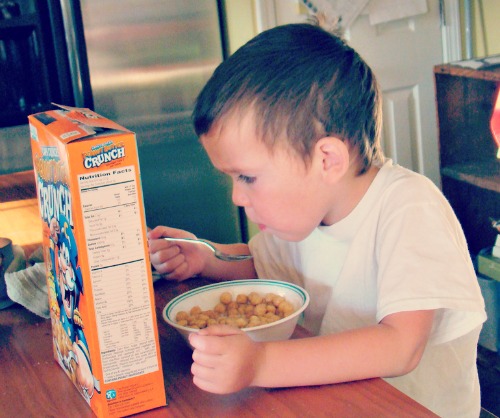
(19, 221)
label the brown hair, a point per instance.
(303, 83)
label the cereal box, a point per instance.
(101, 298)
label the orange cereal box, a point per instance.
(99, 279)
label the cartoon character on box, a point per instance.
(70, 341)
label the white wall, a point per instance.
(485, 28)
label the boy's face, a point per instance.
(276, 190)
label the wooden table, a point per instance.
(32, 384)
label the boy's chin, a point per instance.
(291, 236)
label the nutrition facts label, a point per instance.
(113, 232)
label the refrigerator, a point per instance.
(141, 64)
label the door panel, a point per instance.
(402, 54)
(402, 139)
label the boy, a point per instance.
(293, 117)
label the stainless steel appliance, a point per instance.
(33, 72)
(140, 63)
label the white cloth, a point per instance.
(28, 287)
(400, 249)
(379, 11)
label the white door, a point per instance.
(402, 54)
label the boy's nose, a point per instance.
(238, 196)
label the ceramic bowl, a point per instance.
(206, 297)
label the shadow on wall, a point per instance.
(181, 187)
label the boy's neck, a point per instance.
(348, 193)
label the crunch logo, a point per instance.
(102, 154)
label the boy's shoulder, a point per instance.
(404, 184)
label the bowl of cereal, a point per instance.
(267, 310)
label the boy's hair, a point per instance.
(302, 83)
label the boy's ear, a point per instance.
(333, 155)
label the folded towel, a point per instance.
(36, 256)
(28, 287)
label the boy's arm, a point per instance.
(229, 270)
(180, 261)
(391, 348)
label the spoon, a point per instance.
(219, 254)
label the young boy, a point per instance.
(293, 117)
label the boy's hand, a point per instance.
(225, 359)
(178, 261)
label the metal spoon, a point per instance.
(219, 254)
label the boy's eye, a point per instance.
(246, 179)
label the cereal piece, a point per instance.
(203, 317)
(269, 297)
(285, 308)
(242, 299)
(232, 305)
(255, 298)
(220, 308)
(248, 310)
(201, 323)
(225, 298)
(181, 316)
(260, 309)
(232, 322)
(270, 308)
(272, 317)
(277, 300)
(195, 310)
(254, 321)
(241, 322)
(233, 313)
(210, 313)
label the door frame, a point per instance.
(451, 31)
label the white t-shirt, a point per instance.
(400, 249)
